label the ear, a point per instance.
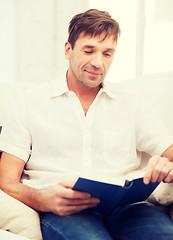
(68, 50)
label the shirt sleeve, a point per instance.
(15, 137)
(152, 136)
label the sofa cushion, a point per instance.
(156, 89)
(9, 92)
(18, 218)
(5, 235)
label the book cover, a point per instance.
(112, 195)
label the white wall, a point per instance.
(7, 40)
(33, 33)
(41, 34)
(145, 45)
(64, 14)
(32, 39)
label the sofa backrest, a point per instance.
(157, 89)
(8, 94)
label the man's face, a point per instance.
(90, 59)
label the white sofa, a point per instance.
(5, 235)
(17, 221)
(156, 88)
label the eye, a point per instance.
(88, 52)
(107, 54)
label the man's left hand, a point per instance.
(158, 169)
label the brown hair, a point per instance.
(92, 22)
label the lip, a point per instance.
(94, 73)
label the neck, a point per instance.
(86, 95)
(80, 89)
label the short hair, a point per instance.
(92, 22)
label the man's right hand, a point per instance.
(63, 201)
(59, 199)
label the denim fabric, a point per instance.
(140, 221)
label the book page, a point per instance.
(135, 174)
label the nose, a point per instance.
(96, 61)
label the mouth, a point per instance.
(93, 73)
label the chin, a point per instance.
(92, 85)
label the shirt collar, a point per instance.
(108, 89)
(62, 88)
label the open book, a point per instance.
(112, 195)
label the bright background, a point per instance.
(146, 43)
(33, 33)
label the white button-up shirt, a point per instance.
(67, 144)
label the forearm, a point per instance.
(11, 169)
(33, 198)
(168, 153)
(59, 199)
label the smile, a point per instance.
(94, 73)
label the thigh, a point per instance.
(84, 226)
(140, 221)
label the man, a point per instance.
(83, 126)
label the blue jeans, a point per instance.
(140, 221)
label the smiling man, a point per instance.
(93, 56)
(80, 125)
(89, 62)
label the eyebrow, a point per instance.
(91, 47)
(87, 46)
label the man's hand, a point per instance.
(159, 169)
(59, 199)
(63, 201)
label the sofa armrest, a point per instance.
(18, 218)
(5, 235)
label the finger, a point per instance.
(160, 170)
(77, 202)
(80, 208)
(69, 210)
(165, 171)
(67, 183)
(149, 169)
(71, 194)
(169, 177)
